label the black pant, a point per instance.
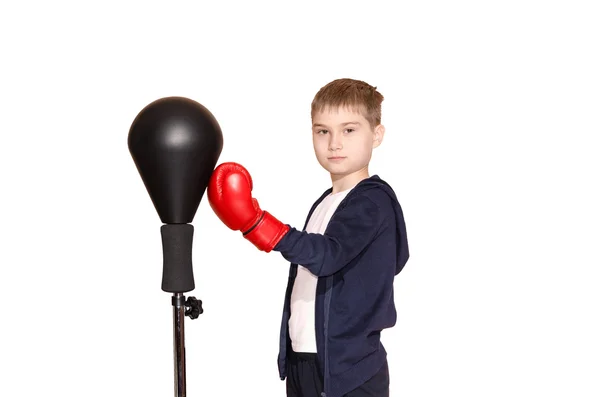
(305, 379)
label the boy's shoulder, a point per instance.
(374, 189)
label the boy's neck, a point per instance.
(341, 183)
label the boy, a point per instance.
(340, 290)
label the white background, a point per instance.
(492, 116)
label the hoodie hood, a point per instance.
(402, 253)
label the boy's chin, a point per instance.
(332, 169)
(339, 172)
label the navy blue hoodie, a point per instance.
(363, 248)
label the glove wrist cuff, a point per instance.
(267, 232)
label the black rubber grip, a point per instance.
(178, 274)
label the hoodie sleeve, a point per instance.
(350, 230)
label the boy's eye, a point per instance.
(349, 129)
(322, 132)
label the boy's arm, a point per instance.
(348, 233)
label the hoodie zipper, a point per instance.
(328, 289)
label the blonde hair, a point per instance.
(355, 95)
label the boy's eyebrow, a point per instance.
(343, 124)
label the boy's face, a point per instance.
(343, 140)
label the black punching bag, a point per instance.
(175, 143)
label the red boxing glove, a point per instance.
(230, 197)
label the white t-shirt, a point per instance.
(302, 318)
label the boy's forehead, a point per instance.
(338, 115)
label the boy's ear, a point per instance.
(378, 135)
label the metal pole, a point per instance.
(179, 343)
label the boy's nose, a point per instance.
(335, 143)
